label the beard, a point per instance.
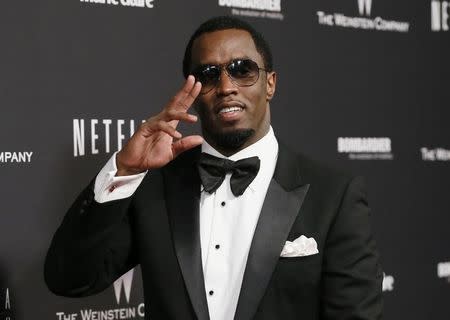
(231, 141)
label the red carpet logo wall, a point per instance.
(364, 21)
(61, 60)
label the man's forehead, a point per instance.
(224, 45)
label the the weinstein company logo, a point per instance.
(439, 15)
(123, 310)
(436, 154)
(358, 148)
(123, 3)
(16, 156)
(443, 270)
(124, 282)
(365, 6)
(363, 21)
(6, 312)
(94, 136)
(270, 9)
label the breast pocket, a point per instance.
(295, 272)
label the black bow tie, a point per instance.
(212, 172)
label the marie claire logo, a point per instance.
(125, 312)
(436, 154)
(365, 148)
(123, 3)
(100, 135)
(270, 9)
(364, 21)
(388, 282)
(443, 270)
(439, 15)
(15, 157)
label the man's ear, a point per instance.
(271, 84)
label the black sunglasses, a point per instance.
(242, 72)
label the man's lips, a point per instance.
(228, 107)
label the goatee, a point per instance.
(232, 141)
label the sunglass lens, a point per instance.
(244, 72)
(208, 77)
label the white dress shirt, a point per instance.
(227, 223)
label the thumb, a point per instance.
(186, 143)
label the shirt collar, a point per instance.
(265, 148)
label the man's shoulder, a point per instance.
(314, 171)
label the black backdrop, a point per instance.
(65, 64)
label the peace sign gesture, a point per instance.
(153, 145)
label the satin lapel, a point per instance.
(281, 207)
(182, 188)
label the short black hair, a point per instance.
(224, 23)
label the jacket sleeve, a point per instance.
(352, 274)
(92, 247)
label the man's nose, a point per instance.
(225, 86)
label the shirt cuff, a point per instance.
(108, 187)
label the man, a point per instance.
(231, 225)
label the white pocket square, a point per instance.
(302, 246)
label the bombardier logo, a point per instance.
(363, 21)
(439, 15)
(362, 148)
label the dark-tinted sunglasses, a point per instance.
(242, 72)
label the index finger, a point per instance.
(187, 95)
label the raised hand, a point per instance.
(152, 145)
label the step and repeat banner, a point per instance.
(363, 85)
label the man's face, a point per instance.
(252, 115)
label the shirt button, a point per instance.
(223, 203)
(211, 293)
(217, 246)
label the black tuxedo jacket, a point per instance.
(158, 228)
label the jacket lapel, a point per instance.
(281, 206)
(182, 189)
